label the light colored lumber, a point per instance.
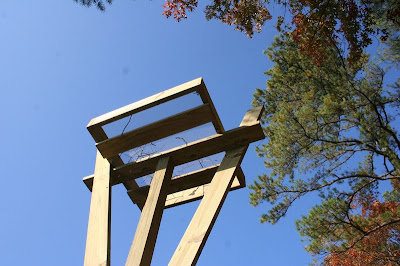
(190, 152)
(252, 116)
(178, 183)
(205, 97)
(129, 184)
(193, 151)
(98, 235)
(144, 241)
(195, 237)
(146, 103)
(193, 194)
(99, 135)
(183, 185)
(166, 127)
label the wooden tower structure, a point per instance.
(162, 192)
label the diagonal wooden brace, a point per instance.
(142, 248)
(195, 237)
(196, 234)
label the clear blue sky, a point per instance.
(62, 64)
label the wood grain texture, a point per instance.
(195, 237)
(192, 242)
(205, 97)
(192, 151)
(178, 183)
(142, 248)
(99, 135)
(115, 161)
(128, 184)
(252, 116)
(184, 188)
(193, 194)
(240, 136)
(146, 103)
(161, 129)
(241, 177)
(98, 235)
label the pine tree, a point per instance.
(330, 129)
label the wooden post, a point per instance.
(152, 200)
(99, 228)
(142, 248)
(192, 243)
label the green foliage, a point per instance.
(330, 129)
(369, 237)
(98, 3)
(330, 118)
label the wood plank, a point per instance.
(182, 183)
(241, 177)
(99, 227)
(142, 248)
(193, 194)
(195, 237)
(146, 103)
(252, 116)
(190, 152)
(99, 135)
(205, 97)
(128, 184)
(166, 127)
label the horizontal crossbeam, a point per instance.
(154, 100)
(240, 136)
(178, 183)
(146, 103)
(181, 183)
(161, 129)
(193, 194)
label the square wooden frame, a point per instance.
(164, 191)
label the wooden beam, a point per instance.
(190, 152)
(252, 116)
(166, 127)
(142, 248)
(193, 194)
(241, 177)
(178, 183)
(99, 135)
(115, 161)
(195, 237)
(205, 97)
(146, 103)
(182, 185)
(128, 184)
(98, 235)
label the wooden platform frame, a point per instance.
(210, 184)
